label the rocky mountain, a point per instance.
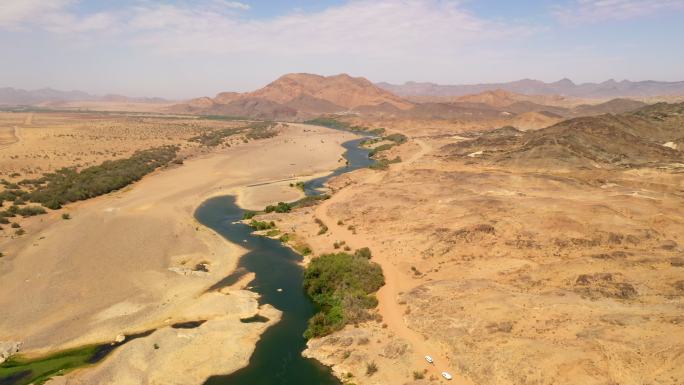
(649, 136)
(300, 96)
(564, 87)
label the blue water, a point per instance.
(277, 359)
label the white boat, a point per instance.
(428, 359)
(446, 375)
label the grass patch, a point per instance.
(26, 371)
(342, 286)
(272, 232)
(18, 370)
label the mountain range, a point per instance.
(564, 87)
(21, 97)
(302, 96)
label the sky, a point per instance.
(182, 48)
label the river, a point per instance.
(277, 359)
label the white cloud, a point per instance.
(590, 11)
(376, 28)
(381, 28)
(235, 5)
(14, 12)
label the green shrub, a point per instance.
(363, 252)
(281, 207)
(69, 185)
(262, 225)
(396, 138)
(249, 214)
(322, 227)
(284, 238)
(380, 148)
(30, 211)
(383, 164)
(302, 248)
(66, 216)
(342, 286)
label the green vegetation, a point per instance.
(30, 211)
(329, 122)
(299, 185)
(256, 130)
(309, 200)
(215, 137)
(262, 225)
(396, 140)
(272, 232)
(380, 148)
(383, 164)
(322, 226)
(363, 252)
(21, 371)
(340, 125)
(281, 207)
(342, 286)
(261, 130)
(302, 248)
(69, 185)
(284, 238)
(249, 214)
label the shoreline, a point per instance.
(223, 260)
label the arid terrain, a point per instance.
(522, 239)
(553, 262)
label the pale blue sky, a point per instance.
(182, 49)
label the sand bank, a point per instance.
(127, 262)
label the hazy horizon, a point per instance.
(182, 49)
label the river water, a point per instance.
(277, 359)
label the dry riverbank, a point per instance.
(134, 261)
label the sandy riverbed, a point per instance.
(125, 263)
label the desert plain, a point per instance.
(519, 242)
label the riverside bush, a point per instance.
(70, 185)
(342, 286)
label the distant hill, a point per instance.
(47, 96)
(564, 87)
(649, 136)
(300, 96)
(14, 96)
